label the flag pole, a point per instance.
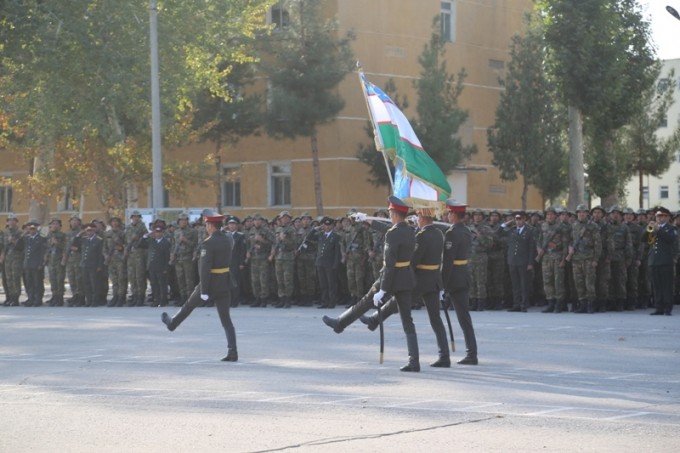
(378, 145)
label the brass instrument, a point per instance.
(650, 227)
(651, 234)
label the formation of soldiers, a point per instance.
(589, 260)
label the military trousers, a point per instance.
(260, 277)
(75, 278)
(118, 276)
(285, 276)
(356, 273)
(57, 273)
(184, 268)
(618, 279)
(14, 268)
(478, 271)
(136, 266)
(584, 279)
(553, 277)
(306, 275)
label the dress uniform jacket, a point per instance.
(35, 251)
(158, 255)
(521, 246)
(427, 259)
(457, 248)
(397, 274)
(215, 257)
(662, 248)
(329, 253)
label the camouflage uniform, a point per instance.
(114, 251)
(13, 259)
(184, 244)
(136, 259)
(644, 285)
(375, 254)
(56, 243)
(72, 262)
(586, 247)
(355, 246)
(307, 241)
(260, 245)
(603, 274)
(619, 258)
(496, 266)
(283, 255)
(553, 247)
(634, 269)
(482, 241)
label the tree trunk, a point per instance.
(317, 174)
(37, 208)
(525, 189)
(218, 175)
(576, 176)
(641, 185)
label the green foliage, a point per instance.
(439, 116)
(526, 138)
(306, 64)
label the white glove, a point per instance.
(377, 298)
(441, 295)
(359, 216)
(204, 297)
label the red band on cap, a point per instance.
(398, 208)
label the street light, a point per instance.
(673, 12)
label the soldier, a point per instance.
(375, 254)
(644, 284)
(552, 249)
(158, 265)
(662, 236)
(307, 244)
(184, 245)
(91, 265)
(56, 242)
(620, 257)
(521, 254)
(584, 251)
(214, 283)
(35, 255)
(496, 267)
(327, 263)
(246, 284)
(603, 266)
(13, 259)
(136, 258)
(114, 258)
(634, 269)
(259, 249)
(355, 247)
(482, 241)
(72, 262)
(238, 259)
(283, 257)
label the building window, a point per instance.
(663, 192)
(231, 185)
(279, 17)
(280, 184)
(5, 198)
(662, 85)
(645, 193)
(448, 20)
(663, 122)
(66, 201)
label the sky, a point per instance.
(665, 28)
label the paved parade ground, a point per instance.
(114, 379)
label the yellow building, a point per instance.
(267, 176)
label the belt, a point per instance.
(428, 267)
(221, 270)
(460, 262)
(402, 264)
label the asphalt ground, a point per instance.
(114, 379)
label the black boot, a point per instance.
(444, 360)
(413, 356)
(232, 356)
(281, 302)
(350, 315)
(370, 321)
(590, 307)
(560, 306)
(473, 304)
(620, 304)
(550, 308)
(175, 321)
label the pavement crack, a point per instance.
(337, 440)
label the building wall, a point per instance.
(670, 179)
(390, 35)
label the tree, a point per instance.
(647, 154)
(526, 137)
(600, 57)
(306, 63)
(76, 76)
(439, 115)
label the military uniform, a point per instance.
(56, 243)
(92, 266)
(184, 243)
(72, 262)
(553, 247)
(283, 255)
(260, 245)
(214, 284)
(662, 240)
(482, 241)
(355, 246)
(35, 254)
(585, 248)
(496, 266)
(521, 254)
(13, 260)
(603, 273)
(136, 258)
(620, 257)
(307, 240)
(634, 269)
(114, 252)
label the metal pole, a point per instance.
(156, 159)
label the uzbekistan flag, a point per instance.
(418, 180)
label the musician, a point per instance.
(661, 236)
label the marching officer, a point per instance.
(214, 283)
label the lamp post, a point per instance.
(673, 12)
(156, 159)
